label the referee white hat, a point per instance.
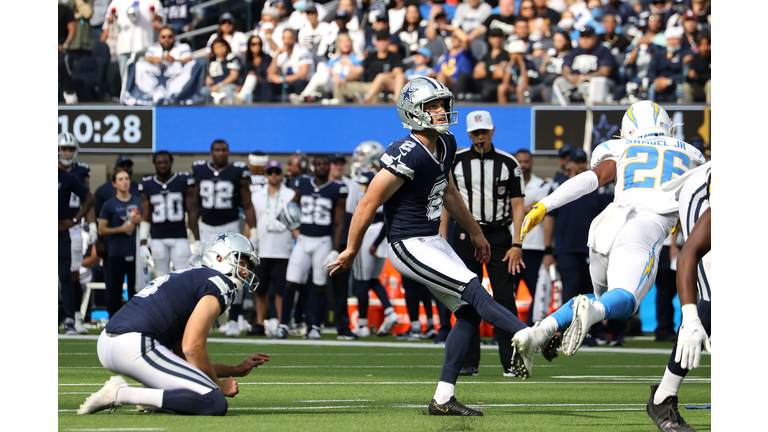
(479, 120)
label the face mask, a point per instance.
(566, 23)
(300, 5)
(674, 49)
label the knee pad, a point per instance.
(469, 314)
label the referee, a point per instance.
(491, 183)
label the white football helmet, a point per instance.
(416, 93)
(366, 155)
(231, 247)
(67, 140)
(645, 118)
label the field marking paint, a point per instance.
(336, 400)
(112, 429)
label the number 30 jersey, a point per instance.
(219, 191)
(414, 209)
(643, 166)
(317, 204)
(168, 204)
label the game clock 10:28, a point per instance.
(112, 129)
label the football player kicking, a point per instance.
(221, 188)
(158, 338)
(165, 198)
(625, 239)
(323, 208)
(693, 269)
(413, 185)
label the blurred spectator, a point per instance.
(504, 20)
(266, 29)
(447, 8)
(350, 12)
(256, 66)
(97, 18)
(550, 67)
(589, 59)
(421, 59)
(396, 14)
(703, 11)
(697, 84)
(518, 75)
(454, 69)
(551, 16)
(179, 17)
(653, 34)
(620, 8)
(313, 31)
(167, 50)
(637, 63)
(412, 34)
(284, 14)
(662, 8)
(342, 24)
(298, 18)
(237, 40)
(292, 67)
(342, 67)
(470, 14)
(666, 69)
(67, 29)
(567, 23)
(380, 22)
(522, 33)
(490, 70)
(678, 9)
(615, 42)
(82, 43)
(136, 24)
(223, 72)
(381, 68)
(118, 220)
(692, 32)
(527, 10)
(438, 25)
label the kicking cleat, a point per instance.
(386, 326)
(469, 371)
(583, 318)
(665, 415)
(550, 346)
(452, 407)
(106, 398)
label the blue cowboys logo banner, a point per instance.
(175, 84)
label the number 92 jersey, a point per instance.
(318, 204)
(219, 191)
(643, 166)
(168, 204)
(414, 209)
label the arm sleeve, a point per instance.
(572, 190)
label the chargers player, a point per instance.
(693, 269)
(625, 239)
(158, 338)
(323, 208)
(165, 198)
(414, 185)
(68, 151)
(221, 188)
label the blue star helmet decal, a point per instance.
(407, 93)
(222, 238)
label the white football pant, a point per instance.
(309, 253)
(165, 251)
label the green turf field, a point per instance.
(349, 386)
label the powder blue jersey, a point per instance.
(167, 202)
(317, 204)
(414, 210)
(162, 309)
(219, 191)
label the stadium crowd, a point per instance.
(364, 51)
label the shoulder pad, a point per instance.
(240, 164)
(147, 178)
(199, 162)
(84, 165)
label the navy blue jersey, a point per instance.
(116, 212)
(168, 204)
(69, 186)
(414, 210)
(219, 191)
(582, 62)
(162, 309)
(317, 204)
(82, 171)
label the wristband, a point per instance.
(690, 312)
(548, 250)
(144, 228)
(517, 245)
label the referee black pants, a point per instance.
(503, 283)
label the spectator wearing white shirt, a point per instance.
(341, 24)
(283, 14)
(313, 31)
(168, 50)
(275, 240)
(471, 14)
(236, 39)
(396, 16)
(298, 18)
(293, 66)
(223, 71)
(270, 18)
(136, 26)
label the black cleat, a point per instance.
(469, 371)
(550, 346)
(665, 415)
(453, 408)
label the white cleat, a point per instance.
(524, 346)
(233, 330)
(584, 315)
(386, 327)
(106, 398)
(79, 327)
(313, 334)
(271, 326)
(362, 332)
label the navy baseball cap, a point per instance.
(123, 159)
(342, 13)
(337, 156)
(564, 151)
(578, 154)
(586, 31)
(226, 16)
(273, 164)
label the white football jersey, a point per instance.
(643, 166)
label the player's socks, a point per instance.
(458, 344)
(318, 303)
(412, 297)
(381, 293)
(185, 401)
(564, 315)
(287, 307)
(492, 312)
(618, 304)
(549, 325)
(444, 392)
(361, 288)
(669, 385)
(143, 396)
(235, 311)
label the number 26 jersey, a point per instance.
(318, 204)
(219, 191)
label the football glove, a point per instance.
(254, 238)
(146, 256)
(332, 256)
(276, 226)
(689, 339)
(197, 248)
(93, 233)
(533, 218)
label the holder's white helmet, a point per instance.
(645, 118)
(416, 93)
(231, 247)
(67, 140)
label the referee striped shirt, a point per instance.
(487, 182)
